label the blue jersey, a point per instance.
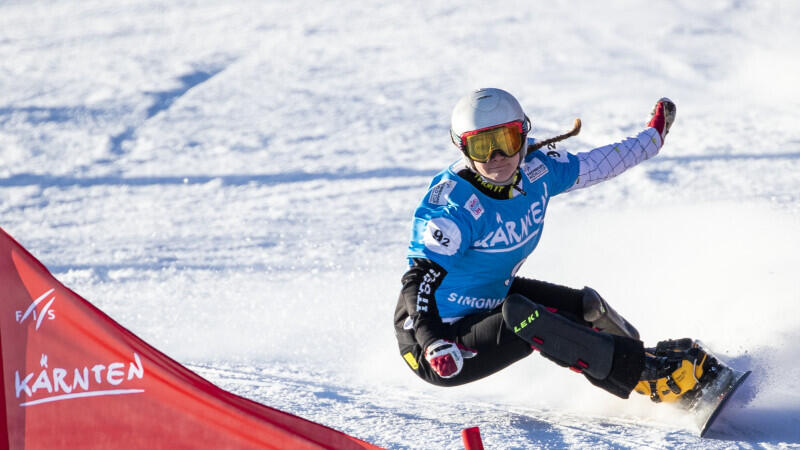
(481, 241)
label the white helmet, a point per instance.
(486, 108)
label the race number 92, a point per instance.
(442, 236)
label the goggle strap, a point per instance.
(457, 140)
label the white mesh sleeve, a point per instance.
(604, 163)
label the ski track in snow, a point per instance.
(437, 427)
(234, 183)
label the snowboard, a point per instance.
(706, 403)
(716, 381)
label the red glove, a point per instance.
(662, 117)
(446, 358)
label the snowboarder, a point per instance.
(463, 314)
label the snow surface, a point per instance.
(233, 181)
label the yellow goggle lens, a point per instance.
(481, 145)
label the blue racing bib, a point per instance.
(481, 242)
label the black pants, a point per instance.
(497, 346)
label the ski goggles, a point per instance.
(479, 145)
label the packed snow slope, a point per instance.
(233, 181)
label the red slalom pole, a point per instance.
(472, 438)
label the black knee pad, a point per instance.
(558, 338)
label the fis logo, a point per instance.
(524, 323)
(38, 315)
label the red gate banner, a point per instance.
(74, 378)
